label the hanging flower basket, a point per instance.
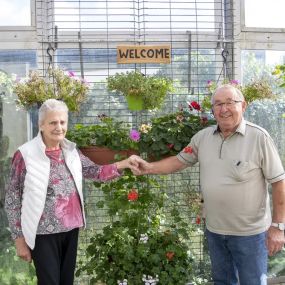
(58, 84)
(103, 142)
(135, 103)
(142, 92)
(104, 155)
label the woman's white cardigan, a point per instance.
(36, 182)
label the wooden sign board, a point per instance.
(144, 54)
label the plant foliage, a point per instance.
(152, 89)
(169, 134)
(279, 71)
(142, 242)
(258, 89)
(59, 85)
(108, 133)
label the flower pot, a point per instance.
(104, 155)
(135, 103)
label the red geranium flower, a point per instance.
(170, 255)
(198, 220)
(170, 145)
(188, 149)
(133, 195)
(195, 105)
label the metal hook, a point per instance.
(49, 50)
(225, 53)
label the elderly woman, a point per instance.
(44, 200)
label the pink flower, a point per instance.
(134, 135)
(234, 82)
(71, 73)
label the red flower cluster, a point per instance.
(188, 149)
(194, 105)
(133, 195)
(169, 255)
(170, 145)
(198, 220)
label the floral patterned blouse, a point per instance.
(62, 210)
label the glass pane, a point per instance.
(268, 114)
(13, 133)
(265, 13)
(15, 13)
(153, 15)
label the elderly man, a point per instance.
(237, 161)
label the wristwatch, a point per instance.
(280, 226)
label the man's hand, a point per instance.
(275, 237)
(138, 165)
(22, 249)
(135, 163)
(275, 240)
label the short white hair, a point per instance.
(228, 86)
(51, 105)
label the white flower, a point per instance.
(123, 282)
(144, 238)
(149, 280)
(145, 128)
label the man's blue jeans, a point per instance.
(238, 259)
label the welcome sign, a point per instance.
(144, 54)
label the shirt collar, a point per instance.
(240, 129)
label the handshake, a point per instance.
(136, 164)
(141, 167)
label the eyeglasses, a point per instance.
(228, 104)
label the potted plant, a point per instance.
(142, 92)
(101, 142)
(169, 134)
(142, 244)
(279, 72)
(58, 84)
(258, 89)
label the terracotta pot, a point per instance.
(104, 155)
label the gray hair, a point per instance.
(51, 105)
(228, 86)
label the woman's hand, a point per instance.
(137, 165)
(22, 249)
